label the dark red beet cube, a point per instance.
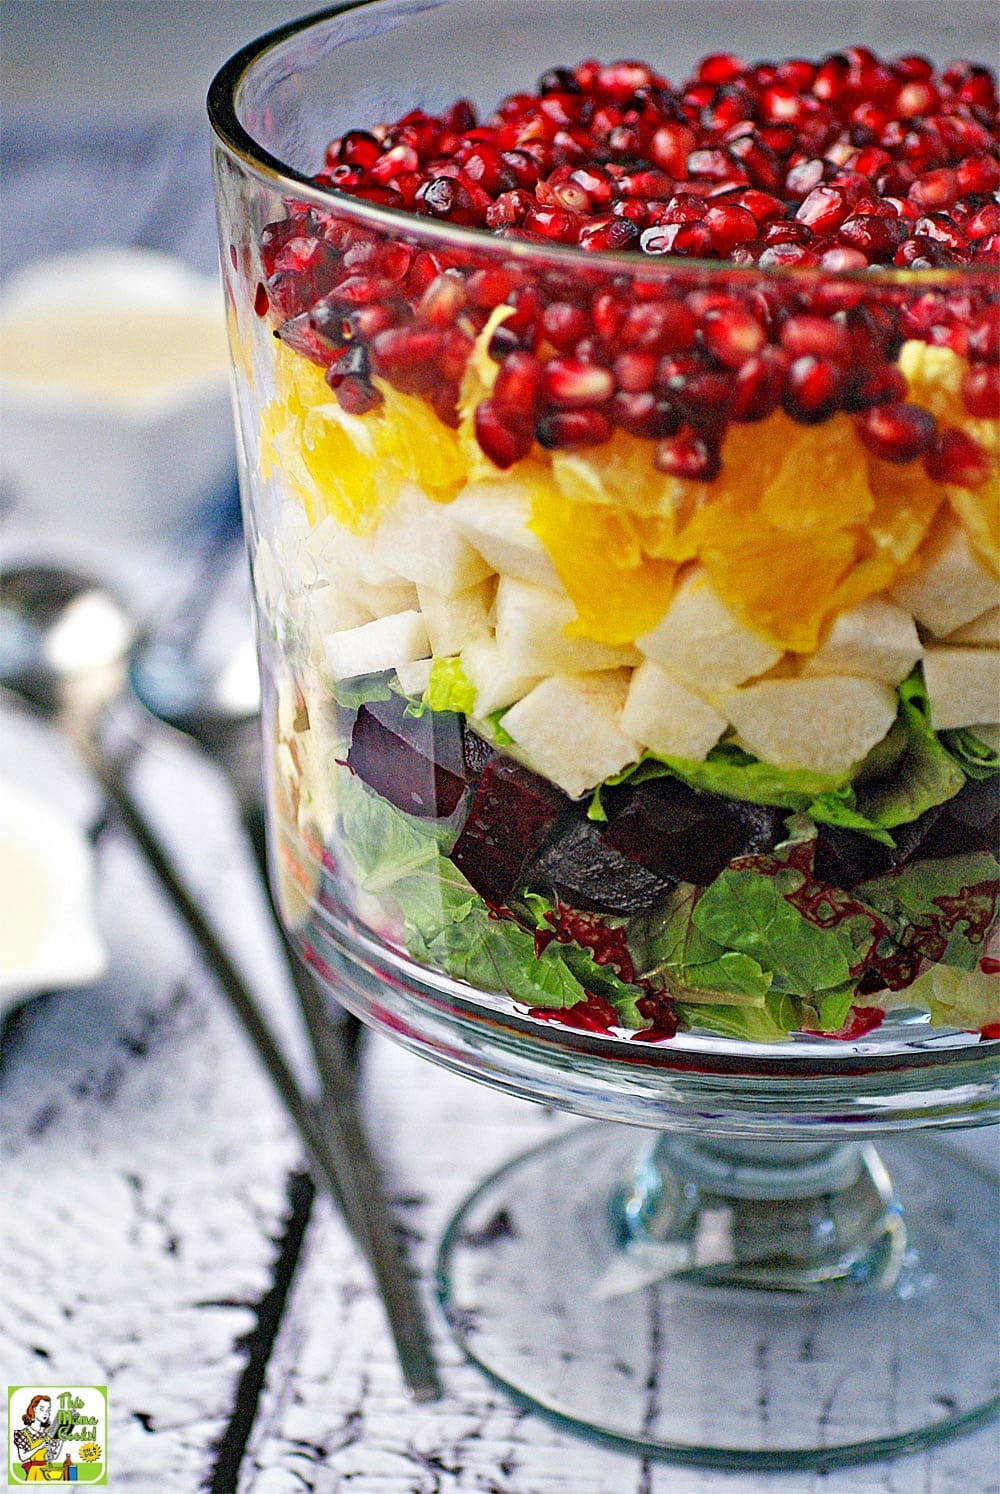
(512, 811)
(588, 872)
(682, 834)
(845, 857)
(968, 822)
(415, 762)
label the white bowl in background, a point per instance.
(114, 395)
(49, 938)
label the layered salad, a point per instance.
(633, 587)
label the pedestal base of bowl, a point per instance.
(734, 1305)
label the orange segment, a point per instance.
(618, 592)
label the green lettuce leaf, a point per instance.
(925, 775)
(953, 899)
(357, 692)
(749, 911)
(976, 758)
(450, 688)
(967, 999)
(689, 960)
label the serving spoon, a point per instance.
(214, 698)
(65, 641)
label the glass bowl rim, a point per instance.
(237, 141)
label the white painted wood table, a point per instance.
(159, 1234)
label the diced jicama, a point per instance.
(455, 619)
(667, 717)
(951, 587)
(982, 631)
(568, 727)
(963, 685)
(826, 725)
(702, 643)
(493, 516)
(530, 628)
(875, 640)
(421, 541)
(497, 681)
(385, 643)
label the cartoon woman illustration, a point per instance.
(39, 1445)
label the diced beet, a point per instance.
(680, 833)
(590, 873)
(846, 857)
(968, 822)
(512, 811)
(415, 762)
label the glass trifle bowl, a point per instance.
(619, 464)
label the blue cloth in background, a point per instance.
(70, 185)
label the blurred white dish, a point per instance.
(49, 937)
(114, 394)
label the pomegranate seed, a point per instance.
(986, 250)
(957, 458)
(867, 388)
(720, 67)
(642, 414)
(634, 371)
(504, 443)
(670, 146)
(729, 226)
(777, 255)
(802, 336)
(940, 228)
(843, 259)
(688, 455)
(876, 238)
(823, 210)
(764, 207)
(804, 178)
(732, 336)
(442, 300)
(984, 335)
(454, 354)
(609, 235)
(813, 390)
(935, 189)
(661, 325)
(977, 174)
(518, 386)
(400, 349)
(715, 166)
(260, 300)
(572, 428)
(916, 97)
(897, 432)
(981, 391)
(758, 386)
(356, 396)
(787, 232)
(490, 286)
(573, 385)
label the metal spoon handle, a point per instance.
(337, 1145)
